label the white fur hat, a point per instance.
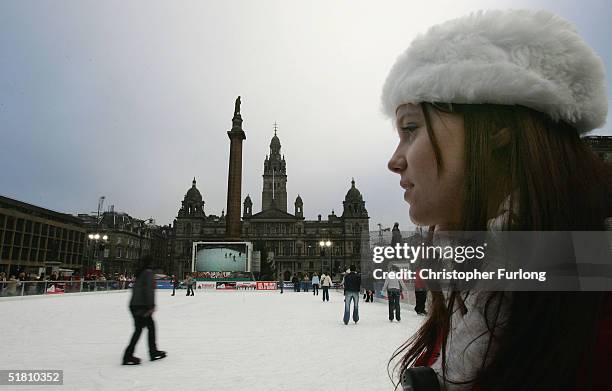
(516, 57)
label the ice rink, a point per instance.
(216, 340)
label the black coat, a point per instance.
(352, 282)
(143, 294)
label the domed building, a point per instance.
(192, 205)
(192, 225)
(288, 243)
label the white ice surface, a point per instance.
(216, 340)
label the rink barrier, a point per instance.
(46, 288)
(21, 289)
(226, 285)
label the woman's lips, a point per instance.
(408, 187)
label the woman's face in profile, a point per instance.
(434, 194)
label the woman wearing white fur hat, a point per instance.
(489, 109)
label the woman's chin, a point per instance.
(416, 219)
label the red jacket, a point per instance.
(418, 281)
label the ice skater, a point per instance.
(142, 306)
(352, 287)
(296, 283)
(420, 294)
(305, 283)
(189, 283)
(175, 284)
(326, 283)
(315, 284)
(394, 287)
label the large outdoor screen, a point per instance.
(221, 256)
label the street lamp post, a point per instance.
(96, 238)
(328, 244)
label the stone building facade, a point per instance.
(191, 225)
(128, 239)
(289, 242)
(38, 240)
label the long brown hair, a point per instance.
(558, 184)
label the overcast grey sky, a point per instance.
(132, 99)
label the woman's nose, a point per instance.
(397, 163)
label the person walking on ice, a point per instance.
(175, 284)
(142, 306)
(394, 287)
(326, 283)
(352, 287)
(189, 283)
(315, 284)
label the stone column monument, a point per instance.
(234, 181)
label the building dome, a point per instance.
(193, 194)
(192, 205)
(354, 205)
(353, 194)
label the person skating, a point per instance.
(280, 283)
(352, 287)
(394, 287)
(315, 284)
(189, 284)
(296, 283)
(142, 306)
(175, 284)
(420, 294)
(326, 283)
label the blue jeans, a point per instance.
(348, 296)
(394, 303)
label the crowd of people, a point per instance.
(305, 284)
(26, 283)
(393, 290)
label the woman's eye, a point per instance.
(409, 127)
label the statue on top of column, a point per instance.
(237, 106)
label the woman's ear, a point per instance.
(500, 138)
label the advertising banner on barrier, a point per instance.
(206, 285)
(226, 285)
(288, 285)
(212, 274)
(246, 285)
(266, 285)
(163, 284)
(55, 288)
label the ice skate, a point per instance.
(158, 355)
(131, 361)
